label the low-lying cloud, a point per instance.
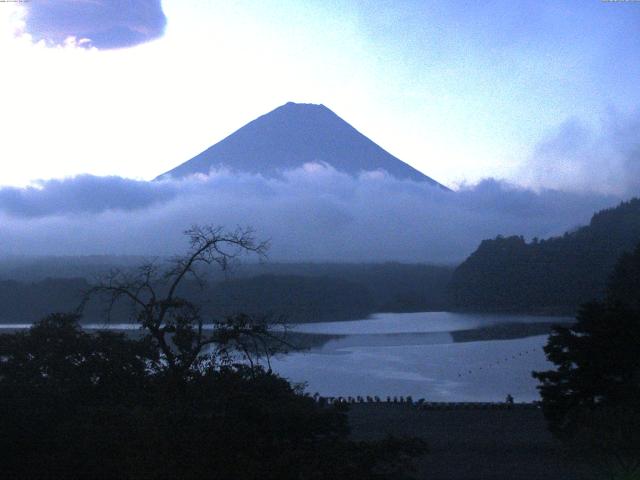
(104, 24)
(314, 214)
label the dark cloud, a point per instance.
(581, 157)
(315, 214)
(82, 194)
(106, 23)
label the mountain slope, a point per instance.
(552, 276)
(292, 135)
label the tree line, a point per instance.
(301, 292)
(591, 398)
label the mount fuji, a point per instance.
(291, 136)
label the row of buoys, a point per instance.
(421, 403)
(497, 362)
(365, 399)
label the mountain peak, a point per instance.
(303, 106)
(300, 111)
(292, 135)
(295, 104)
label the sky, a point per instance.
(530, 110)
(461, 90)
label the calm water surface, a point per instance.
(414, 354)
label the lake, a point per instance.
(417, 354)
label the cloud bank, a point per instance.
(603, 158)
(313, 213)
(104, 24)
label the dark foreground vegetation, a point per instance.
(550, 276)
(175, 401)
(75, 405)
(592, 398)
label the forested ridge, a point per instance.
(547, 276)
(297, 292)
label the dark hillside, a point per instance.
(547, 276)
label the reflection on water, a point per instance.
(383, 340)
(419, 322)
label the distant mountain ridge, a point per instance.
(547, 276)
(292, 135)
(301, 292)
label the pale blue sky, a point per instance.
(459, 89)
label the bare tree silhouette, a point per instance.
(177, 324)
